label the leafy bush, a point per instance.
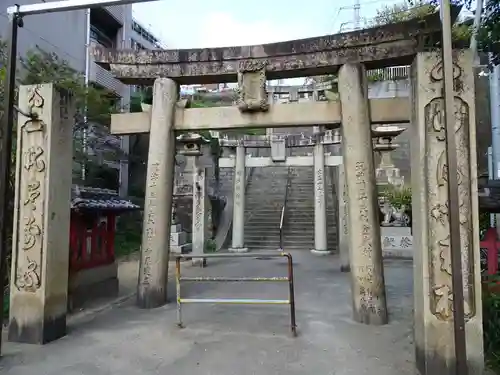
(128, 234)
(398, 196)
(210, 246)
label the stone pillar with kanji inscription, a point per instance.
(40, 248)
(345, 260)
(200, 212)
(434, 333)
(155, 250)
(367, 272)
(238, 239)
(320, 237)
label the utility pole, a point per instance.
(453, 192)
(357, 17)
(494, 78)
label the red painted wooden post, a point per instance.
(77, 235)
(110, 237)
(94, 251)
(73, 242)
(491, 243)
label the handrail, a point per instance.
(283, 208)
(288, 279)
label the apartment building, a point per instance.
(68, 34)
(141, 37)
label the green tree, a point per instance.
(410, 9)
(488, 36)
(488, 33)
(42, 67)
(401, 12)
(92, 140)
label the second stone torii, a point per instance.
(318, 160)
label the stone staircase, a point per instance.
(264, 200)
(299, 218)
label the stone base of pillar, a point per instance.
(38, 330)
(199, 262)
(321, 252)
(345, 268)
(238, 249)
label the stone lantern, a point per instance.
(386, 172)
(191, 144)
(191, 148)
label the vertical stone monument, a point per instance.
(178, 238)
(239, 186)
(192, 143)
(434, 331)
(40, 248)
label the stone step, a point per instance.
(262, 233)
(303, 219)
(264, 219)
(262, 229)
(264, 240)
(268, 203)
(272, 217)
(263, 211)
(305, 207)
(298, 236)
(269, 243)
(263, 245)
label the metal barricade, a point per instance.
(289, 278)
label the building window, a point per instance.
(100, 37)
(136, 45)
(144, 33)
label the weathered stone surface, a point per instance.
(394, 44)
(320, 225)
(40, 248)
(383, 111)
(252, 87)
(200, 213)
(239, 197)
(367, 272)
(152, 286)
(434, 333)
(343, 220)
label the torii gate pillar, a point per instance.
(155, 249)
(367, 271)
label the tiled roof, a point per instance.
(99, 199)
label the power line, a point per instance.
(78, 59)
(340, 9)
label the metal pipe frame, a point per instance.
(453, 193)
(290, 301)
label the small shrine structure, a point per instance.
(93, 270)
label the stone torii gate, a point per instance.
(350, 54)
(279, 145)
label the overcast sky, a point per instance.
(219, 23)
